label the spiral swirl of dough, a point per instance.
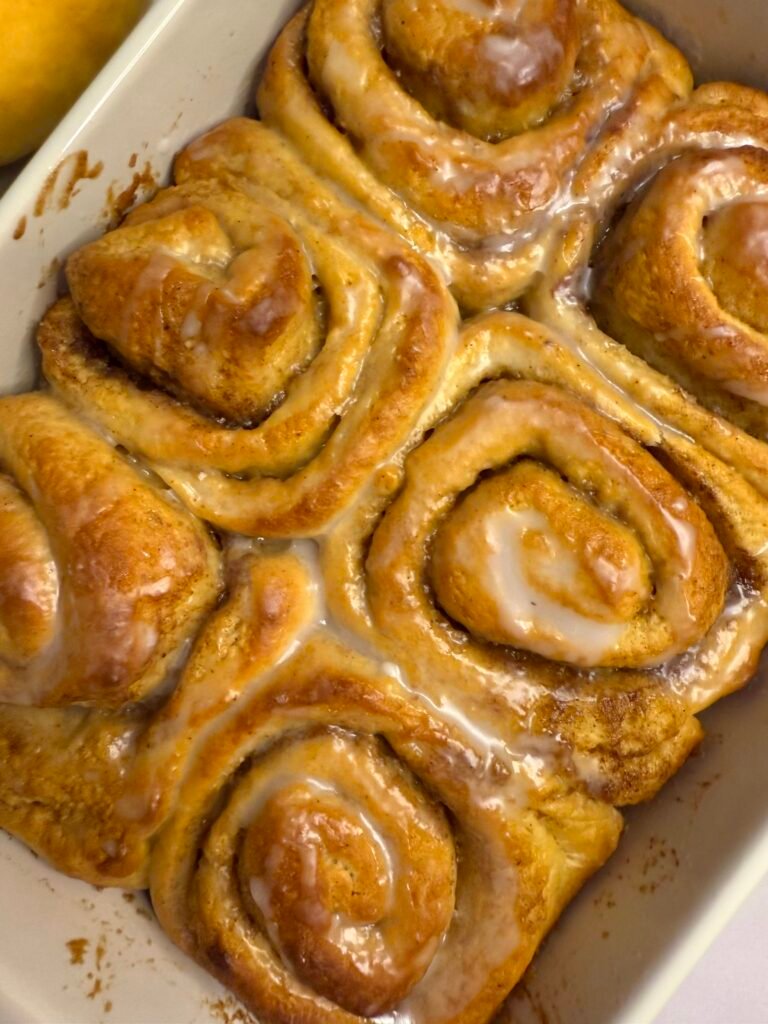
(472, 582)
(662, 281)
(114, 660)
(594, 580)
(461, 123)
(101, 578)
(683, 281)
(259, 360)
(341, 846)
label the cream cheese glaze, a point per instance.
(420, 165)
(523, 607)
(474, 918)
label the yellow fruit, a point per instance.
(49, 52)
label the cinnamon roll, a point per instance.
(103, 582)
(89, 788)
(345, 850)
(559, 561)
(101, 579)
(461, 123)
(262, 359)
(113, 659)
(669, 263)
(473, 581)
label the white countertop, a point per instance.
(730, 983)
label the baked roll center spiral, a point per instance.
(263, 346)
(212, 300)
(463, 123)
(490, 67)
(342, 846)
(735, 260)
(332, 819)
(683, 279)
(525, 560)
(616, 567)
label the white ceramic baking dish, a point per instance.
(72, 955)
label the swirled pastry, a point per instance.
(264, 355)
(341, 846)
(679, 276)
(102, 578)
(102, 584)
(472, 582)
(461, 123)
(682, 280)
(105, 582)
(593, 579)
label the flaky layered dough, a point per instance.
(263, 353)
(670, 264)
(461, 123)
(590, 579)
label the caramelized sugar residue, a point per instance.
(77, 949)
(49, 271)
(120, 199)
(100, 959)
(660, 865)
(542, 1015)
(61, 185)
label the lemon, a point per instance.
(49, 52)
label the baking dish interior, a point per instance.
(686, 860)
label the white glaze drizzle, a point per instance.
(540, 623)
(519, 59)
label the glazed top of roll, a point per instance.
(463, 585)
(264, 346)
(462, 123)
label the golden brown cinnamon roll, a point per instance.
(669, 261)
(559, 561)
(102, 578)
(103, 583)
(342, 845)
(683, 280)
(263, 355)
(89, 788)
(461, 123)
(105, 586)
